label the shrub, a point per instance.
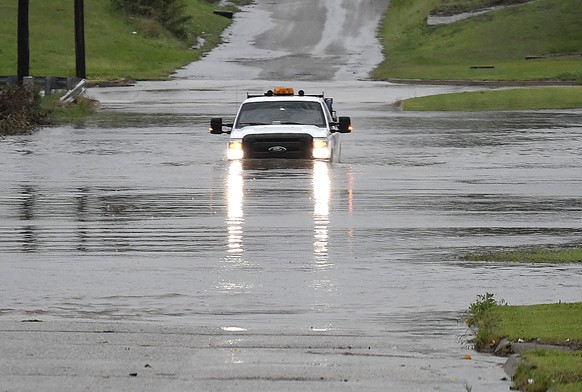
(169, 13)
(482, 317)
(20, 111)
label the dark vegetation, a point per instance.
(171, 14)
(23, 110)
(484, 320)
(20, 111)
(175, 16)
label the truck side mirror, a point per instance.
(216, 126)
(345, 124)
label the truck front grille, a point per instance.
(286, 145)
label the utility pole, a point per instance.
(23, 42)
(80, 39)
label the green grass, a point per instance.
(557, 324)
(72, 113)
(550, 256)
(542, 370)
(502, 38)
(548, 324)
(511, 99)
(113, 51)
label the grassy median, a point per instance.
(549, 256)
(555, 324)
(569, 97)
(538, 40)
(117, 46)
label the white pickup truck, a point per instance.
(282, 124)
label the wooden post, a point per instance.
(23, 42)
(80, 39)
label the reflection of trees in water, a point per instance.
(96, 219)
(101, 219)
(82, 202)
(28, 195)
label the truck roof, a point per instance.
(305, 98)
(282, 91)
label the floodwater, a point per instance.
(343, 276)
(346, 275)
(138, 216)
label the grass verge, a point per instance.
(116, 47)
(544, 370)
(490, 100)
(557, 324)
(494, 46)
(71, 113)
(550, 256)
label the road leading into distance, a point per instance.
(297, 40)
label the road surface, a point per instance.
(298, 40)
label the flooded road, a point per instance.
(135, 215)
(140, 216)
(143, 260)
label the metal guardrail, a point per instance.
(70, 96)
(48, 84)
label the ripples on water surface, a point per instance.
(140, 217)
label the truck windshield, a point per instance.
(281, 112)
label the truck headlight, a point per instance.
(235, 149)
(320, 149)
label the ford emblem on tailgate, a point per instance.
(277, 149)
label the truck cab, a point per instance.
(282, 124)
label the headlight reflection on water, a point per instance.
(321, 188)
(235, 218)
(321, 196)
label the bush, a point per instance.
(20, 111)
(482, 317)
